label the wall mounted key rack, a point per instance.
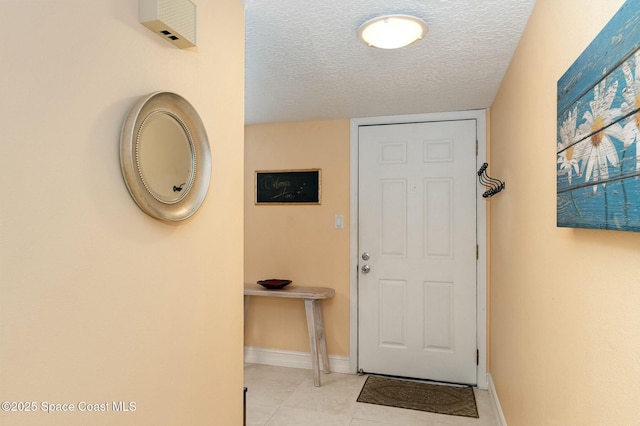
(493, 185)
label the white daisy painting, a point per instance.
(598, 155)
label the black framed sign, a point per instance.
(288, 186)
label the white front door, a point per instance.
(417, 250)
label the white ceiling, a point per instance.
(304, 60)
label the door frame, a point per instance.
(481, 228)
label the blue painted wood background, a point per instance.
(598, 157)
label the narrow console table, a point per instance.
(312, 297)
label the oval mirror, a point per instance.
(165, 156)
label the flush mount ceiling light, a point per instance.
(392, 31)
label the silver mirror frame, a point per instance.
(176, 106)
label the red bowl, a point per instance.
(274, 284)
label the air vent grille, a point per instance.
(173, 20)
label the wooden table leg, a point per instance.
(322, 341)
(313, 338)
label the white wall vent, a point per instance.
(173, 20)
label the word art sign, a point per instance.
(288, 187)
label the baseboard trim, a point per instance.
(280, 358)
(495, 402)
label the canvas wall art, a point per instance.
(598, 130)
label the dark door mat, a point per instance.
(441, 399)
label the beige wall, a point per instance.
(298, 242)
(564, 302)
(100, 302)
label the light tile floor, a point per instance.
(279, 396)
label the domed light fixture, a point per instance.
(392, 31)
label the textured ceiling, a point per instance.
(304, 60)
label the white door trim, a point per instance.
(481, 322)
